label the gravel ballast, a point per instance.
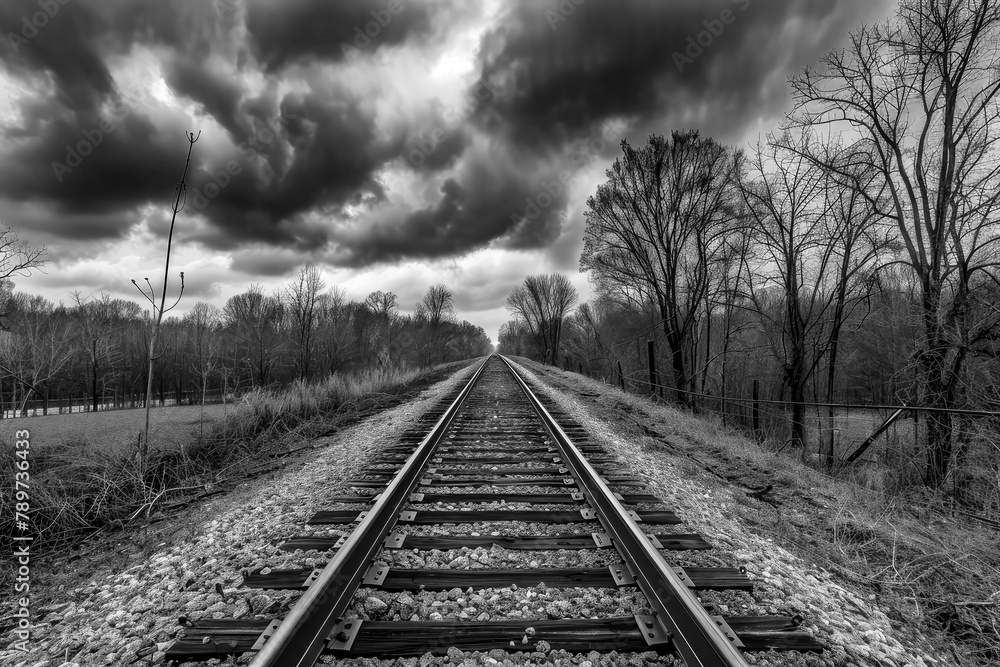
(854, 630)
(113, 619)
(108, 620)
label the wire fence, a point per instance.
(39, 407)
(877, 446)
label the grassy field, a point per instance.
(117, 430)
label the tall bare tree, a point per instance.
(180, 197)
(814, 243)
(653, 229)
(202, 325)
(380, 327)
(256, 320)
(335, 331)
(920, 89)
(543, 302)
(302, 298)
(435, 314)
(98, 323)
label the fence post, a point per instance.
(651, 356)
(621, 376)
(756, 410)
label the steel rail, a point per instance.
(301, 637)
(697, 638)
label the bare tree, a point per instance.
(202, 325)
(41, 344)
(335, 331)
(860, 238)
(921, 91)
(726, 300)
(180, 197)
(301, 301)
(784, 194)
(98, 323)
(256, 318)
(17, 258)
(591, 320)
(470, 341)
(542, 302)
(813, 247)
(653, 229)
(514, 338)
(435, 313)
(381, 326)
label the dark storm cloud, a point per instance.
(80, 146)
(81, 149)
(58, 42)
(473, 210)
(632, 58)
(43, 226)
(305, 30)
(319, 155)
(297, 166)
(91, 162)
(565, 69)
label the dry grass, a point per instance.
(170, 427)
(85, 483)
(875, 526)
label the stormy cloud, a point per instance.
(309, 108)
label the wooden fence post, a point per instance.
(756, 410)
(651, 357)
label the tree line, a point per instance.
(851, 254)
(97, 345)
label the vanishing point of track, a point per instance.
(497, 437)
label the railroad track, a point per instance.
(491, 468)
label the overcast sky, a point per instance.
(395, 143)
